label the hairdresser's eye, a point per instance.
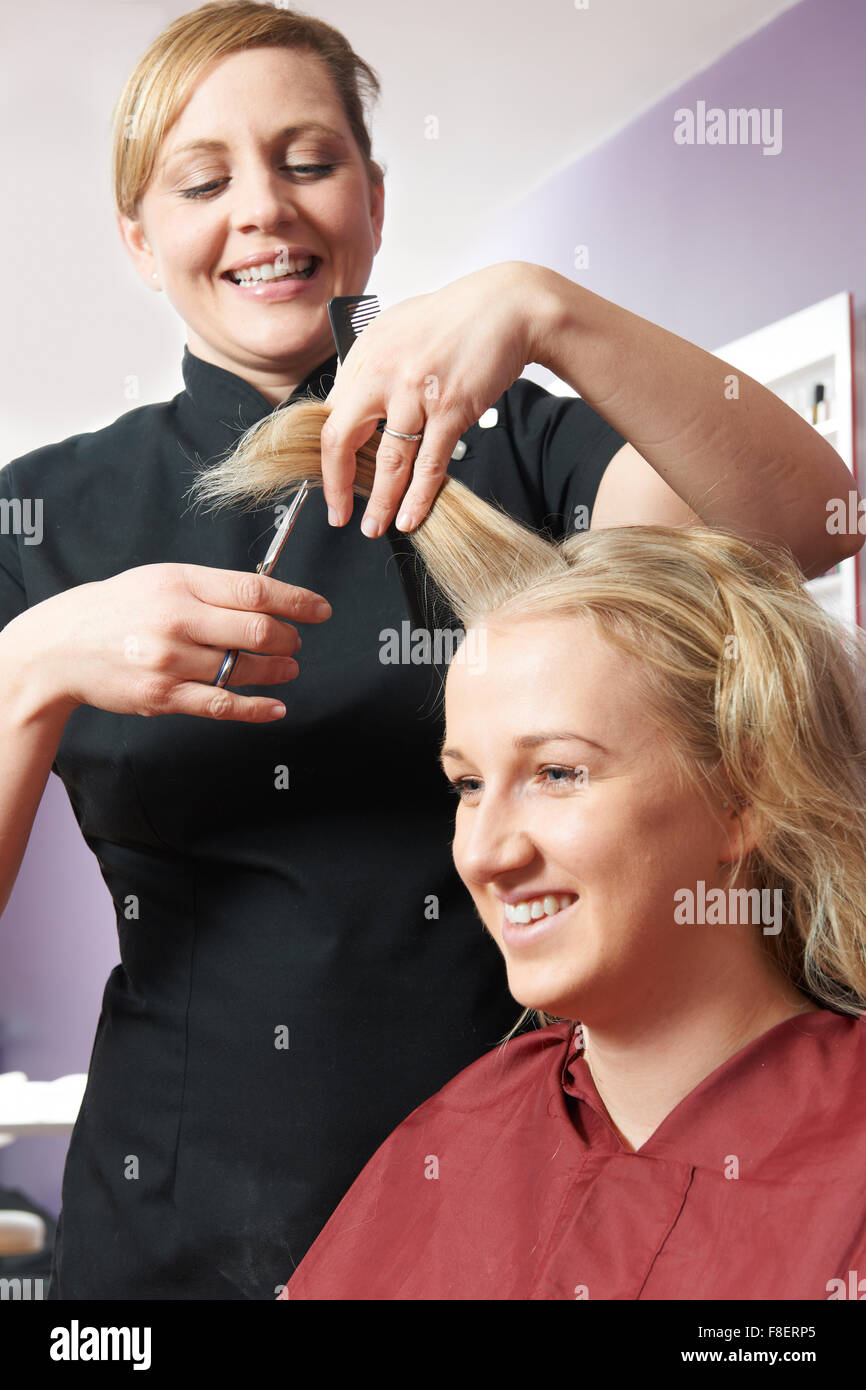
(307, 172)
(202, 189)
(320, 170)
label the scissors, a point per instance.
(349, 315)
(265, 567)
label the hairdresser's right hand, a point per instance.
(152, 639)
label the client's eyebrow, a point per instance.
(533, 741)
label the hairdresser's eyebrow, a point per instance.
(287, 133)
(534, 741)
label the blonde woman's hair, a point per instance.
(757, 690)
(164, 77)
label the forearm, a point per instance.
(730, 448)
(31, 726)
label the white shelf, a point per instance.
(791, 357)
(38, 1107)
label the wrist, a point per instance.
(544, 307)
(29, 692)
(579, 336)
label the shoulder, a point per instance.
(72, 460)
(812, 1096)
(526, 407)
(539, 455)
(835, 1043)
(804, 1080)
(833, 1034)
(430, 1182)
(495, 1080)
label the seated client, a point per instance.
(656, 738)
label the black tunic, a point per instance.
(300, 964)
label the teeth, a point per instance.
(533, 908)
(277, 269)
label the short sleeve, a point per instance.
(568, 446)
(13, 596)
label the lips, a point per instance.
(265, 274)
(290, 253)
(519, 934)
(550, 898)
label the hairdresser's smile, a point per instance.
(573, 832)
(274, 274)
(259, 211)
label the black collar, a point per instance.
(216, 392)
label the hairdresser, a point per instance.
(300, 964)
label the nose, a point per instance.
(262, 197)
(492, 839)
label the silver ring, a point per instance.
(225, 671)
(398, 435)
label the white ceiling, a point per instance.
(520, 91)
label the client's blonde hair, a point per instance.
(757, 690)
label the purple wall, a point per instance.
(710, 242)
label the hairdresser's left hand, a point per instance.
(435, 363)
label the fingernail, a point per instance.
(276, 711)
(404, 522)
(370, 527)
(333, 519)
(322, 610)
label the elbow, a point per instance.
(852, 545)
(824, 560)
(842, 534)
(848, 540)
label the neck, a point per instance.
(275, 380)
(645, 1065)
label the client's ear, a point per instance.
(740, 830)
(136, 243)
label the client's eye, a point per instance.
(461, 787)
(568, 777)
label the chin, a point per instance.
(555, 1002)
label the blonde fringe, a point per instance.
(758, 690)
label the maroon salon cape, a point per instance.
(510, 1183)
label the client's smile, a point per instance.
(531, 909)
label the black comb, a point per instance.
(349, 315)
